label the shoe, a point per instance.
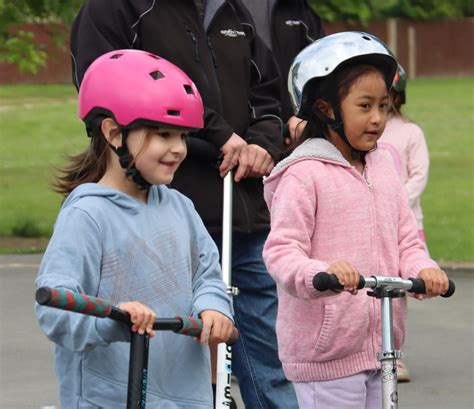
(403, 375)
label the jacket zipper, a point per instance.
(366, 178)
(375, 310)
(213, 55)
(195, 42)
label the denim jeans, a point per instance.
(255, 355)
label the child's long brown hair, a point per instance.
(90, 165)
(85, 167)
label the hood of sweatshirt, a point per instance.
(123, 200)
(315, 149)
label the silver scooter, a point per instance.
(384, 289)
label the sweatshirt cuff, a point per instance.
(112, 331)
(421, 265)
(221, 306)
(313, 270)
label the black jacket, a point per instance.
(294, 25)
(233, 70)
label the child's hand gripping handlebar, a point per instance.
(324, 281)
(89, 305)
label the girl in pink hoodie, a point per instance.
(404, 143)
(337, 205)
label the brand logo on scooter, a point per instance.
(232, 33)
(293, 23)
(394, 397)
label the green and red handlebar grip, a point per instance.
(85, 304)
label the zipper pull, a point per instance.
(369, 183)
(212, 52)
(195, 42)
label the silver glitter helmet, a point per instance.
(324, 56)
(400, 83)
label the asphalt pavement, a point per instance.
(439, 350)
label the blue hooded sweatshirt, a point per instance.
(113, 246)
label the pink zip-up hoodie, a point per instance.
(323, 210)
(404, 143)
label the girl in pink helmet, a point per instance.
(123, 236)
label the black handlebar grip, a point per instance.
(324, 281)
(451, 290)
(43, 295)
(419, 287)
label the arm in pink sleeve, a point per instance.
(288, 247)
(417, 165)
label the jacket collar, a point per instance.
(314, 148)
(212, 6)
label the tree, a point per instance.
(18, 44)
(363, 11)
(427, 9)
(349, 11)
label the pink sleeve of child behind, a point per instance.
(417, 164)
(288, 247)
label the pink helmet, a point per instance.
(139, 88)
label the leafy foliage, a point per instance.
(362, 11)
(426, 9)
(350, 11)
(18, 44)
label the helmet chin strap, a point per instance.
(337, 125)
(125, 159)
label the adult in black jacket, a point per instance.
(286, 27)
(238, 80)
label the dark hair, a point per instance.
(90, 165)
(395, 106)
(87, 166)
(323, 89)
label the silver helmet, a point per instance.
(322, 57)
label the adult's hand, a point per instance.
(254, 161)
(295, 128)
(231, 151)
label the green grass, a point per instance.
(6, 251)
(444, 108)
(39, 124)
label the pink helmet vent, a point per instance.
(140, 88)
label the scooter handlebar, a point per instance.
(324, 281)
(85, 304)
